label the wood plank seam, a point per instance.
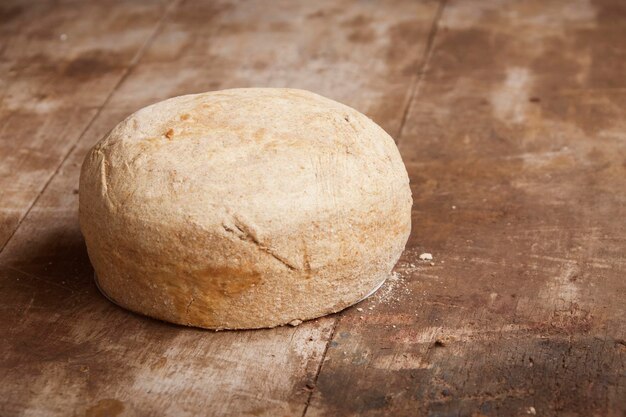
(419, 76)
(414, 88)
(321, 364)
(133, 63)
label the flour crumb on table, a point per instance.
(426, 256)
(295, 323)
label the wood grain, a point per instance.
(68, 351)
(58, 65)
(516, 149)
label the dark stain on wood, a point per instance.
(358, 21)
(9, 13)
(362, 36)
(92, 64)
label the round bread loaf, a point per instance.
(244, 208)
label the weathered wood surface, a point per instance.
(58, 66)
(515, 141)
(516, 147)
(65, 349)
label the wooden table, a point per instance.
(511, 119)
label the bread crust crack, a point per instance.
(246, 233)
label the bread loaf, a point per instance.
(244, 208)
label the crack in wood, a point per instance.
(319, 367)
(417, 78)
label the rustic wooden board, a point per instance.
(350, 51)
(68, 351)
(58, 66)
(516, 148)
